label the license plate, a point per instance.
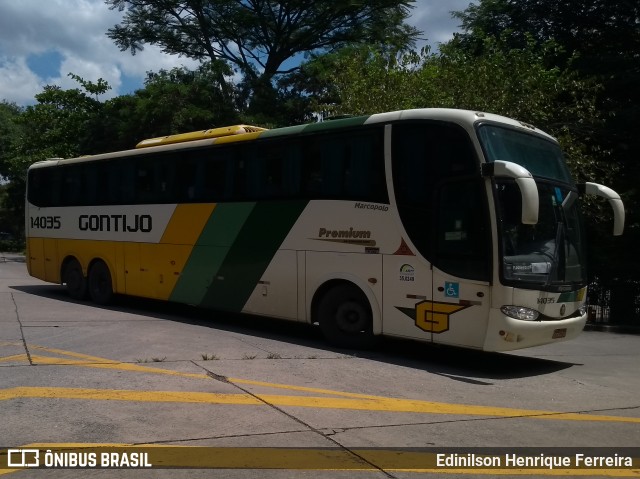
(559, 333)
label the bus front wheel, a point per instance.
(100, 287)
(345, 317)
(74, 279)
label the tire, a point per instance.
(345, 317)
(74, 279)
(100, 287)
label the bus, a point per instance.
(446, 226)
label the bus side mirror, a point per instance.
(614, 200)
(526, 184)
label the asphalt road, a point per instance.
(271, 399)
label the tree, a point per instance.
(61, 119)
(57, 126)
(11, 195)
(174, 101)
(258, 37)
(10, 132)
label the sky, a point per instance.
(41, 42)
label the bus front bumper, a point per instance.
(506, 334)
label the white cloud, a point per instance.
(18, 83)
(76, 31)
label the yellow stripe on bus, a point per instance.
(187, 223)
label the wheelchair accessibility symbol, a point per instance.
(451, 290)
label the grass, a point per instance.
(152, 360)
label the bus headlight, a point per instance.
(519, 312)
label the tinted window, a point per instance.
(439, 195)
(337, 165)
(346, 165)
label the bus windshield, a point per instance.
(549, 255)
(542, 157)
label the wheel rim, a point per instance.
(351, 317)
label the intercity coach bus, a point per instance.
(447, 226)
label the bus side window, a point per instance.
(185, 180)
(215, 178)
(364, 167)
(144, 181)
(164, 177)
(427, 154)
(126, 182)
(72, 185)
(258, 182)
(271, 170)
(311, 168)
(44, 187)
(291, 175)
(413, 184)
(331, 167)
(462, 240)
(348, 166)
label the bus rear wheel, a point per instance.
(100, 287)
(345, 317)
(74, 279)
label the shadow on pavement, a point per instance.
(469, 366)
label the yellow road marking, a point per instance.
(378, 404)
(84, 360)
(339, 399)
(128, 395)
(301, 388)
(393, 460)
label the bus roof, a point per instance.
(200, 135)
(238, 133)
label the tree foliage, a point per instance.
(10, 133)
(58, 124)
(258, 37)
(11, 188)
(172, 101)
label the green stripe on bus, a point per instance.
(573, 296)
(335, 124)
(248, 258)
(209, 252)
(315, 127)
(288, 130)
